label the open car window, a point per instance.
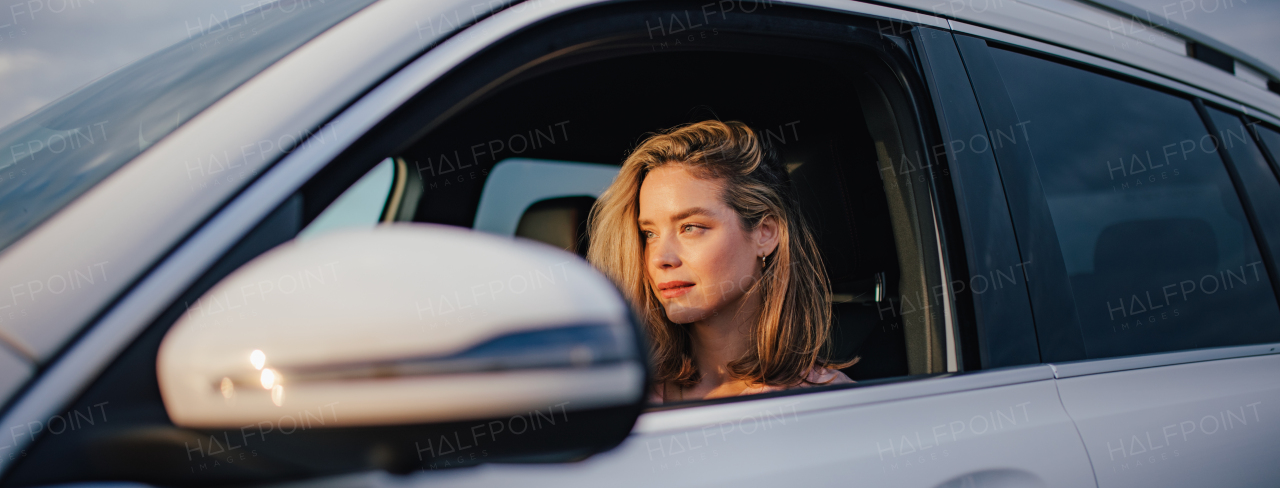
(529, 156)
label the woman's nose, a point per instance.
(663, 254)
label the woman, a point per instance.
(700, 233)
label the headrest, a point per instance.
(1145, 246)
(845, 207)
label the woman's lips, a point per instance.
(672, 289)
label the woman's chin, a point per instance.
(682, 315)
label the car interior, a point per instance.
(834, 96)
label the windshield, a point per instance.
(52, 156)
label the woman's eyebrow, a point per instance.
(689, 212)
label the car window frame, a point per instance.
(1256, 126)
(929, 202)
(1005, 326)
(1261, 200)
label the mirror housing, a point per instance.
(406, 346)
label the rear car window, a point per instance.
(1158, 250)
(1271, 139)
(49, 158)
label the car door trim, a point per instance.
(1071, 369)
(679, 419)
(950, 324)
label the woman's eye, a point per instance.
(687, 228)
(647, 235)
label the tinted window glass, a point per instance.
(1153, 235)
(50, 157)
(1271, 139)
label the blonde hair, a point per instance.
(791, 334)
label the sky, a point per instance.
(48, 48)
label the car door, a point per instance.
(1152, 216)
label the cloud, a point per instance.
(22, 93)
(15, 63)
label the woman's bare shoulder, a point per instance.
(827, 376)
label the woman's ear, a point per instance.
(767, 235)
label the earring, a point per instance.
(761, 261)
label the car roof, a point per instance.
(1111, 30)
(1164, 21)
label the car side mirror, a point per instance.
(404, 347)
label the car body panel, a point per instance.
(1195, 424)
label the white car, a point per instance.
(1051, 227)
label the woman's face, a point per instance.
(698, 257)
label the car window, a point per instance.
(1271, 138)
(358, 206)
(1158, 250)
(49, 158)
